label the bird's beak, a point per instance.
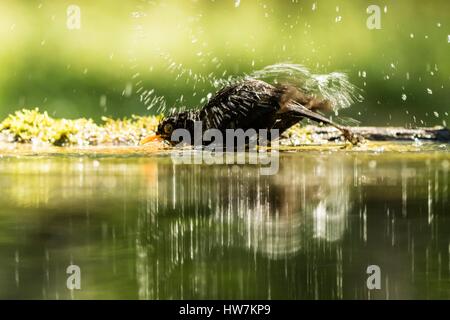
(153, 138)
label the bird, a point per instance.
(254, 103)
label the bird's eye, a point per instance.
(168, 128)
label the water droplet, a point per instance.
(103, 101)
(445, 164)
(128, 90)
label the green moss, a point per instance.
(33, 126)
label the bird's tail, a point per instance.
(290, 93)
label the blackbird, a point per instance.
(255, 104)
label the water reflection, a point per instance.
(211, 214)
(148, 228)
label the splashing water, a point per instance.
(334, 87)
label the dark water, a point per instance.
(143, 227)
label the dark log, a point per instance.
(438, 134)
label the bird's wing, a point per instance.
(240, 105)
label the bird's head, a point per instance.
(166, 127)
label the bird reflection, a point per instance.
(234, 210)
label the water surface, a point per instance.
(142, 227)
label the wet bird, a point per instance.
(254, 103)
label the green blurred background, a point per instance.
(126, 49)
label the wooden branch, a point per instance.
(387, 133)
